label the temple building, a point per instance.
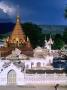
(20, 64)
(17, 39)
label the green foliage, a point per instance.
(65, 36)
(58, 42)
(34, 33)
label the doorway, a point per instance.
(11, 77)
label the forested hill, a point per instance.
(54, 29)
(8, 27)
(36, 33)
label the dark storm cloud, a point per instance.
(40, 11)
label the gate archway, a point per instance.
(11, 77)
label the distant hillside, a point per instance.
(6, 28)
(54, 29)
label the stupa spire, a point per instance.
(18, 19)
(18, 33)
(18, 37)
(50, 40)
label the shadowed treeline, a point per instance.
(35, 34)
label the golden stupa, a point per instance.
(17, 35)
(17, 39)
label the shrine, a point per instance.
(17, 39)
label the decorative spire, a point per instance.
(18, 19)
(45, 40)
(50, 40)
(28, 42)
(18, 37)
(17, 13)
(27, 39)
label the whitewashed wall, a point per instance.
(45, 79)
(25, 79)
(19, 75)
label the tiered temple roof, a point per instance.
(17, 39)
(18, 33)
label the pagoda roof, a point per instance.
(18, 30)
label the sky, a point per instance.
(49, 12)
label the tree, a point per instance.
(65, 36)
(58, 42)
(65, 31)
(34, 32)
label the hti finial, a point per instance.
(17, 12)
